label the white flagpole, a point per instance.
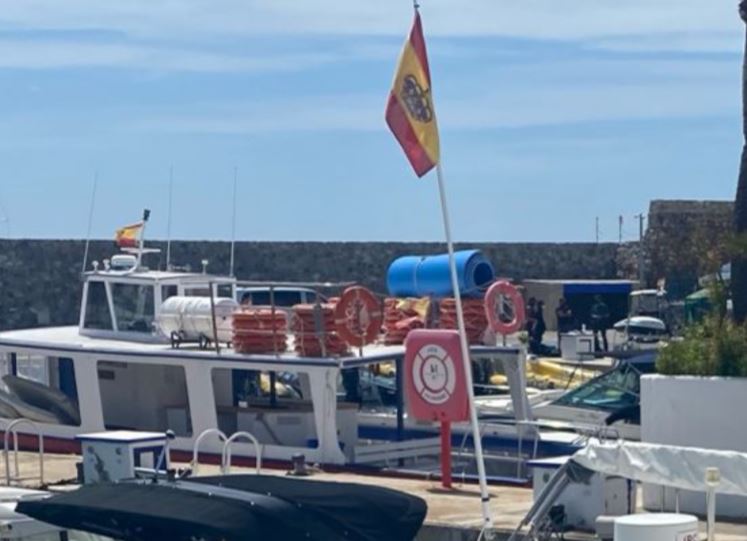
(141, 240)
(476, 437)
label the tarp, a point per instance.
(235, 508)
(667, 465)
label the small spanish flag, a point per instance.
(409, 112)
(129, 235)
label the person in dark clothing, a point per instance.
(564, 316)
(539, 326)
(531, 321)
(600, 322)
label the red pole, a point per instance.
(446, 454)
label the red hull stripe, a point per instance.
(399, 123)
(418, 44)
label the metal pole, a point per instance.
(641, 273)
(212, 314)
(168, 222)
(476, 437)
(90, 220)
(596, 229)
(233, 219)
(712, 479)
(711, 521)
(141, 241)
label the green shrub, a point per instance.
(714, 347)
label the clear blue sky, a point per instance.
(551, 113)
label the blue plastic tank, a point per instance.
(421, 276)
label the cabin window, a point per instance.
(97, 308)
(197, 292)
(146, 397)
(133, 307)
(39, 388)
(224, 291)
(612, 391)
(245, 401)
(169, 291)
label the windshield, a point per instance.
(133, 307)
(612, 391)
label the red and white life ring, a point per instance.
(358, 316)
(494, 295)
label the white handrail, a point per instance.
(226, 455)
(195, 449)
(12, 429)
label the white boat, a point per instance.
(118, 369)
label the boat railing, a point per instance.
(12, 429)
(226, 454)
(523, 428)
(195, 464)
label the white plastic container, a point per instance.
(656, 527)
(191, 318)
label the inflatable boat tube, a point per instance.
(428, 276)
(27, 410)
(46, 398)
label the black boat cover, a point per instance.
(255, 507)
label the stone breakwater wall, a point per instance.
(40, 280)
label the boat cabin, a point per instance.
(123, 301)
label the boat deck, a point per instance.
(69, 339)
(452, 515)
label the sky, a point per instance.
(551, 114)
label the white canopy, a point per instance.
(666, 465)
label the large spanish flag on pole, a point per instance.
(409, 112)
(412, 119)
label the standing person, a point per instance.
(539, 326)
(531, 320)
(564, 316)
(600, 321)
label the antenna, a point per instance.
(5, 218)
(90, 220)
(641, 260)
(233, 219)
(168, 221)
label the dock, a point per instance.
(453, 515)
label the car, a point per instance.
(282, 297)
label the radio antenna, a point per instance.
(90, 220)
(168, 221)
(233, 219)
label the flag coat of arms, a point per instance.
(409, 112)
(129, 235)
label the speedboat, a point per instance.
(610, 401)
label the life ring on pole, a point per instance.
(358, 316)
(495, 296)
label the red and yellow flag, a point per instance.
(129, 235)
(409, 112)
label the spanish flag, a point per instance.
(129, 235)
(409, 112)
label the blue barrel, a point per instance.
(422, 276)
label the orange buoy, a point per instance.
(500, 292)
(358, 316)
